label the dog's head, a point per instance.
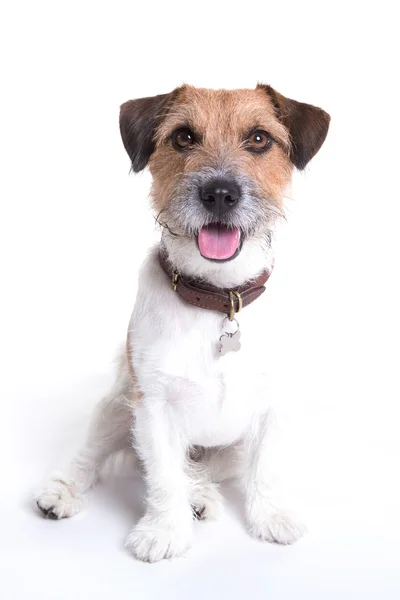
(220, 160)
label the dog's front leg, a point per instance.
(266, 512)
(166, 528)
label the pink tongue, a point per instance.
(216, 241)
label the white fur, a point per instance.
(190, 397)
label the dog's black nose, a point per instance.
(220, 196)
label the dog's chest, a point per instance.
(213, 400)
(213, 396)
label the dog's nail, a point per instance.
(45, 511)
(198, 512)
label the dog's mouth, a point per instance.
(219, 242)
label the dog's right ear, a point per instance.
(138, 122)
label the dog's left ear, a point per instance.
(138, 122)
(307, 125)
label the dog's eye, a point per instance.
(259, 141)
(183, 138)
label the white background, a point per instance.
(75, 227)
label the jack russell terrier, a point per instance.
(191, 394)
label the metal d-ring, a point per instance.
(175, 277)
(232, 311)
(229, 332)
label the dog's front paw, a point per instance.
(59, 500)
(156, 538)
(272, 524)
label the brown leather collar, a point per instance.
(223, 300)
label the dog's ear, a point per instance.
(307, 125)
(138, 122)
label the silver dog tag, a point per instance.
(229, 342)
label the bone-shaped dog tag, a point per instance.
(229, 342)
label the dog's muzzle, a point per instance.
(217, 241)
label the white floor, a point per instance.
(351, 550)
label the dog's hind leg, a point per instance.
(223, 463)
(208, 468)
(205, 497)
(108, 433)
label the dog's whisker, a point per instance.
(164, 225)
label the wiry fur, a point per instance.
(193, 417)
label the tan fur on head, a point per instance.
(221, 121)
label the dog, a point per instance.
(191, 394)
